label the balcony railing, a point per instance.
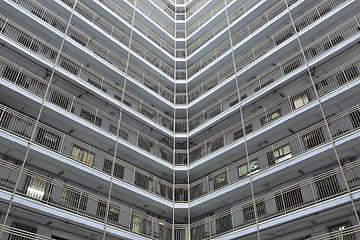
(278, 72)
(165, 7)
(64, 196)
(181, 231)
(283, 107)
(283, 150)
(45, 136)
(86, 41)
(297, 196)
(141, 27)
(199, 4)
(235, 15)
(272, 42)
(161, 23)
(16, 233)
(60, 98)
(78, 70)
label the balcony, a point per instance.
(250, 60)
(314, 52)
(322, 190)
(83, 204)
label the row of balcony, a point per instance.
(335, 79)
(58, 194)
(279, 72)
(88, 42)
(115, 8)
(195, 93)
(292, 146)
(235, 16)
(311, 191)
(278, 152)
(170, 10)
(348, 233)
(61, 143)
(86, 75)
(303, 22)
(244, 62)
(75, 106)
(291, 103)
(217, 108)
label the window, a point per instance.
(216, 144)
(337, 229)
(69, 66)
(73, 200)
(118, 169)
(141, 180)
(145, 144)
(138, 224)
(97, 85)
(289, 199)
(249, 213)
(113, 215)
(328, 187)
(292, 66)
(196, 191)
(36, 188)
(313, 138)
(355, 118)
(300, 101)
(223, 224)
(82, 155)
(220, 180)
(122, 134)
(59, 99)
(48, 139)
(233, 103)
(270, 116)
(165, 191)
(278, 155)
(243, 170)
(239, 133)
(90, 117)
(23, 227)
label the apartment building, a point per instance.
(174, 119)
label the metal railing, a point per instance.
(150, 14)
(297, 196)
(46, 51)
(182, 231)
(16, 233)
(170, 10)
(45, 136)
(94, 46)
(141, 27)
(260, 21)
(279, 71)
(278, 152)
(199, 4)
(34, 84)
(58, 194)
(272, 42)
(283, 107)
